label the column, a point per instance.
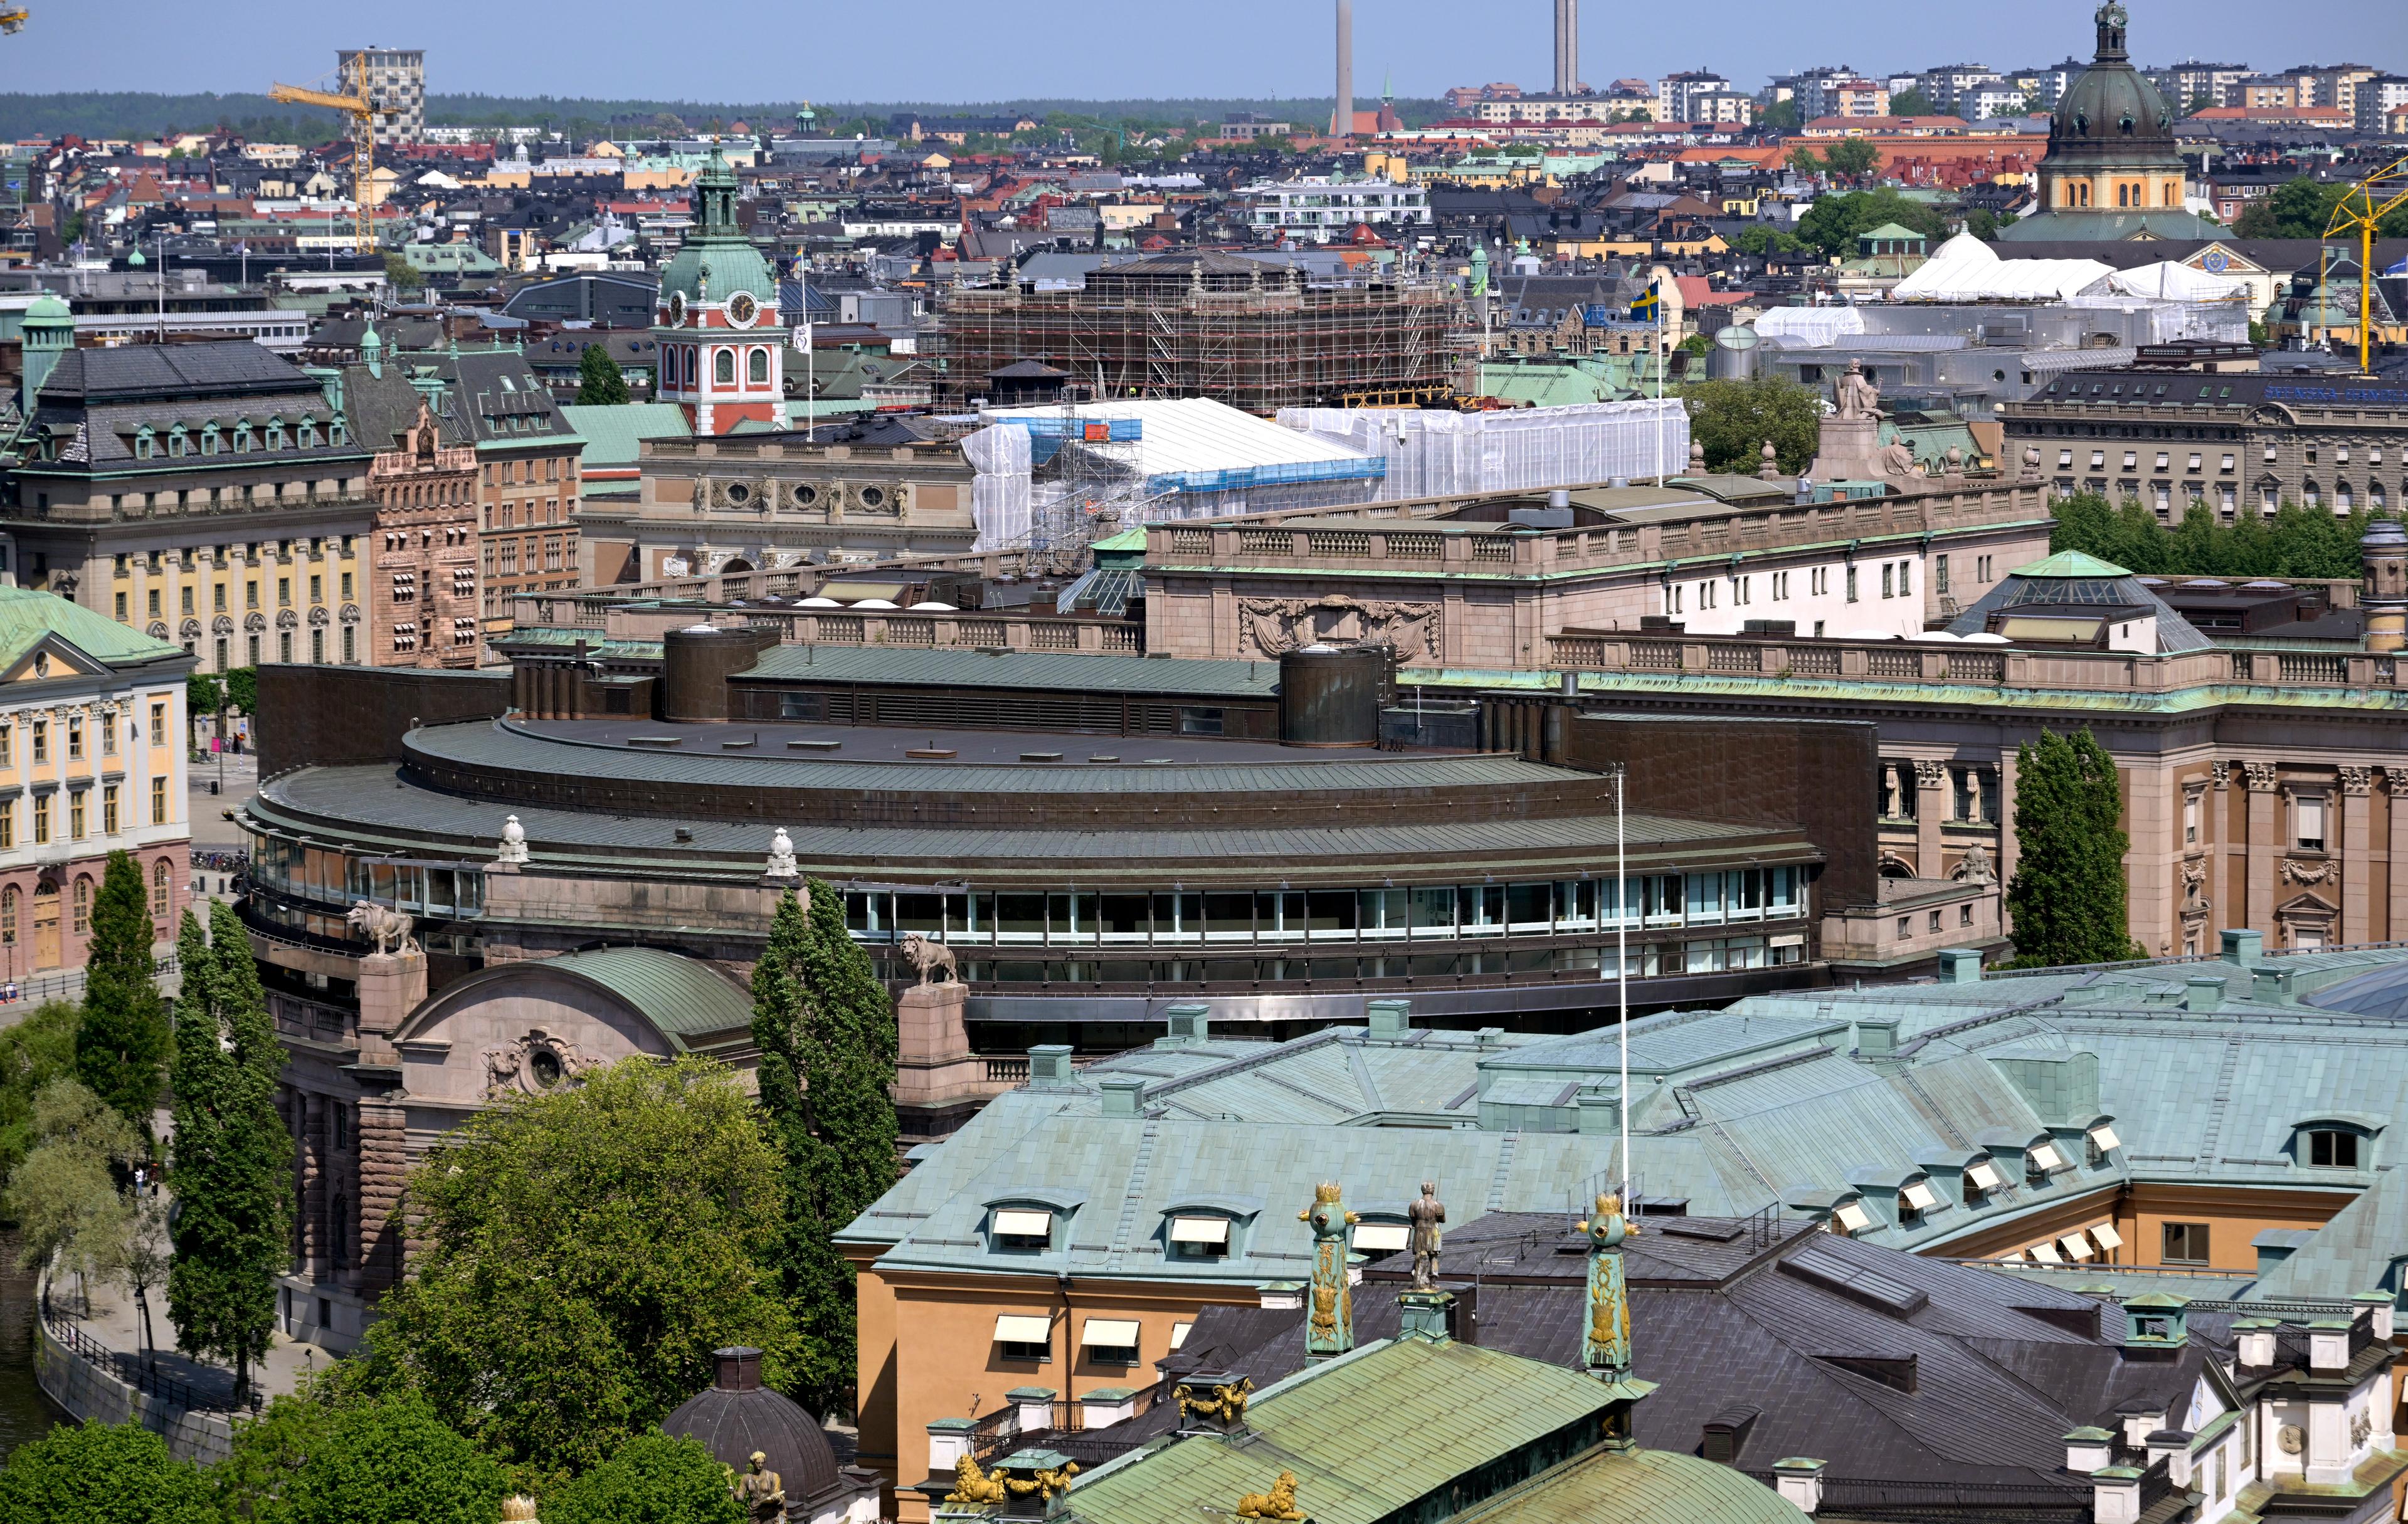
(313, 1185)
(2265, 847)
(2006, 822)
(2223, 886)
(384, 1168)
(2395, 802)
(1930, 810)
(2359, 883)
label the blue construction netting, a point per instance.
(1244, 478)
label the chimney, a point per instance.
(1800, 1481)
(1049, 1063)
(2329, 1344)
(1876, 1037)
(1342, 119)
(1600, 1112)
(2206, 993)
(1390, 1019)
(2376, 1307)
(1123, 1096)
(1960, 965)
(2087, 1450)
(2155, 1322)
(740, 1369)
(2172, 1446)
(2243, 946)
(2253, 1343)
(1189, 1023)
(2116, 1495)
(2270, 986)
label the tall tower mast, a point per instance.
(1341, 119)
(1567, 47)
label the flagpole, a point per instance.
(1622, 972)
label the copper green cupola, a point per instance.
(717, 260)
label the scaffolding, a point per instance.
(1243, 331)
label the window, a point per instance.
(158, 724)
(2184, 1243)
(759, 365)
(75, 737)
(1019, 1336)
(1109, 1341)
(41, 740)
(2332, 1150)
(109, 809)
(7, 824)
(2308, 823)
(1965, 914)
(1200, 1237)
(1905, 927)
(158, 800)
(76, 816)
(722, 368)
(1886, 579)
(2193, 806)
(1852, 584)
(1940, 576)
(162, 893)
(1022, 1229)
(9, 905)
(83, 907)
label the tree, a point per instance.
(103, 1474)
(600, 382)
(1732, 420)
(2296, 542)
(1851, 159)
(204, 694)
(586, 1251)
(242, 689)
(319, 1458)
(2302, 209)
(653, 1479)
(2068, 894)
(1805, 161)
(34, 1053)
(1834, 223)
(232, 1158)
(1912, 103)
(121, 1042)
(825, 1030)
(2199, 102)
(70, 1217)
(143, 1258)
(1784, 116)
(402, 275)
(1763, 242)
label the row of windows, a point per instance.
(37, 731)
(258, 552)
(79, 816)
(506, 515)
(405, 636)
(1897, 581)
(212, 438)
(523, 472)
(680, 366)
(12, 903)
(1641, 960)
(553, 548)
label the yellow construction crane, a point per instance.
(2361, 207)
(362, 111)
(12, 18)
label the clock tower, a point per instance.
(717, 320)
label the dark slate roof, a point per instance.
(141, 372)
(486, 391)
(1723, 1320)
(2245, 388)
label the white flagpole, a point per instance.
(1622, 972)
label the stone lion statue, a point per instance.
(934, 959)
(389, 930)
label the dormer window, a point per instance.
(2330, 1148)
(144, 443)
(1200, 1237)
(1380, 1238)
(1023, 1230)
(1981, 1178)
(2102, 1141)
(1914, 1200)
(2042, 1158)
(1852, 1218)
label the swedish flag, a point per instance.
(1645, 308)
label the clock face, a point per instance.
(742, 309)
(677, 307)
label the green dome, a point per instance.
(2111, 112)
(49, 311)
(717, 260)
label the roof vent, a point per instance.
(1725, 1433)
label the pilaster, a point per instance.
(2264, 845)
(2358, 886)
(384, 1168)
(1930, 813)
(2395, 790)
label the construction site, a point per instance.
(1245, 333)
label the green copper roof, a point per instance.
(717, 260)
(684, 997)
(2071, 563)
(26, 616)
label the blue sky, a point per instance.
(982, 50)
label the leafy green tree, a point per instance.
(653, 1479)
(1783, 117)
(2296, 542)
(233, 1158)
(320, 1458)
(1765, 241)
(1732, 420)
(2068, 894)
(1805, 160)
(600, 382)
(1834, 223)
(121, 1042)
(204, 695)
(63, 1196)
(586, 1250)
(102, 1474)
(1912, 103)
(2198, 103)
(402, 275)
(242, 689)
(1851, 158)
(34, 1053)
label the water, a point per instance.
(24, 1412)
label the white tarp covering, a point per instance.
(1808, 327)
(1966, 269)
(2170, 282)
(1435, 454)
(999, 492)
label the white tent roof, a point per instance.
(1808, 327)
(1182, 435)
(2171, 281)
(1966, 269)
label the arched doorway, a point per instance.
(46, 926)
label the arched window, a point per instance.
(722, 366)
(161, 894)
(9, 907)
(759, 366)
(83, 906)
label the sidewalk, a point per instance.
(113, 1320)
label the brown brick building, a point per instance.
(422, 597)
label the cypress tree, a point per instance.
(233, 1156)
(600, 382)
(122, 1040)
(2068, 896)
(825, 1031)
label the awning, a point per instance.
(2046, 1254)
(2076, 1247)
(2046, 1155)
(1852, 1217)
(1199, 1230)
(1179, 1334)
(2104, 1137)
(1786, 939)
(2107, 1236)
(1986, 1175)
(1920, 1195)
(1025, 1224)
(1380, 1236)
(1109, 1333)
(1013, 1327)
(853, 592)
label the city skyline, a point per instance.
(972, 53)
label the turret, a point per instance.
(49, 333)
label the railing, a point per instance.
(1006, 1071)
(999, 1432)
(969, 630)
(2156, 1485)
(1904, 1502)
(1938, 663)
(131, 1370)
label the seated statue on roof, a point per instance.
(1855, 394)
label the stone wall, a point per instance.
(94, 1395)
